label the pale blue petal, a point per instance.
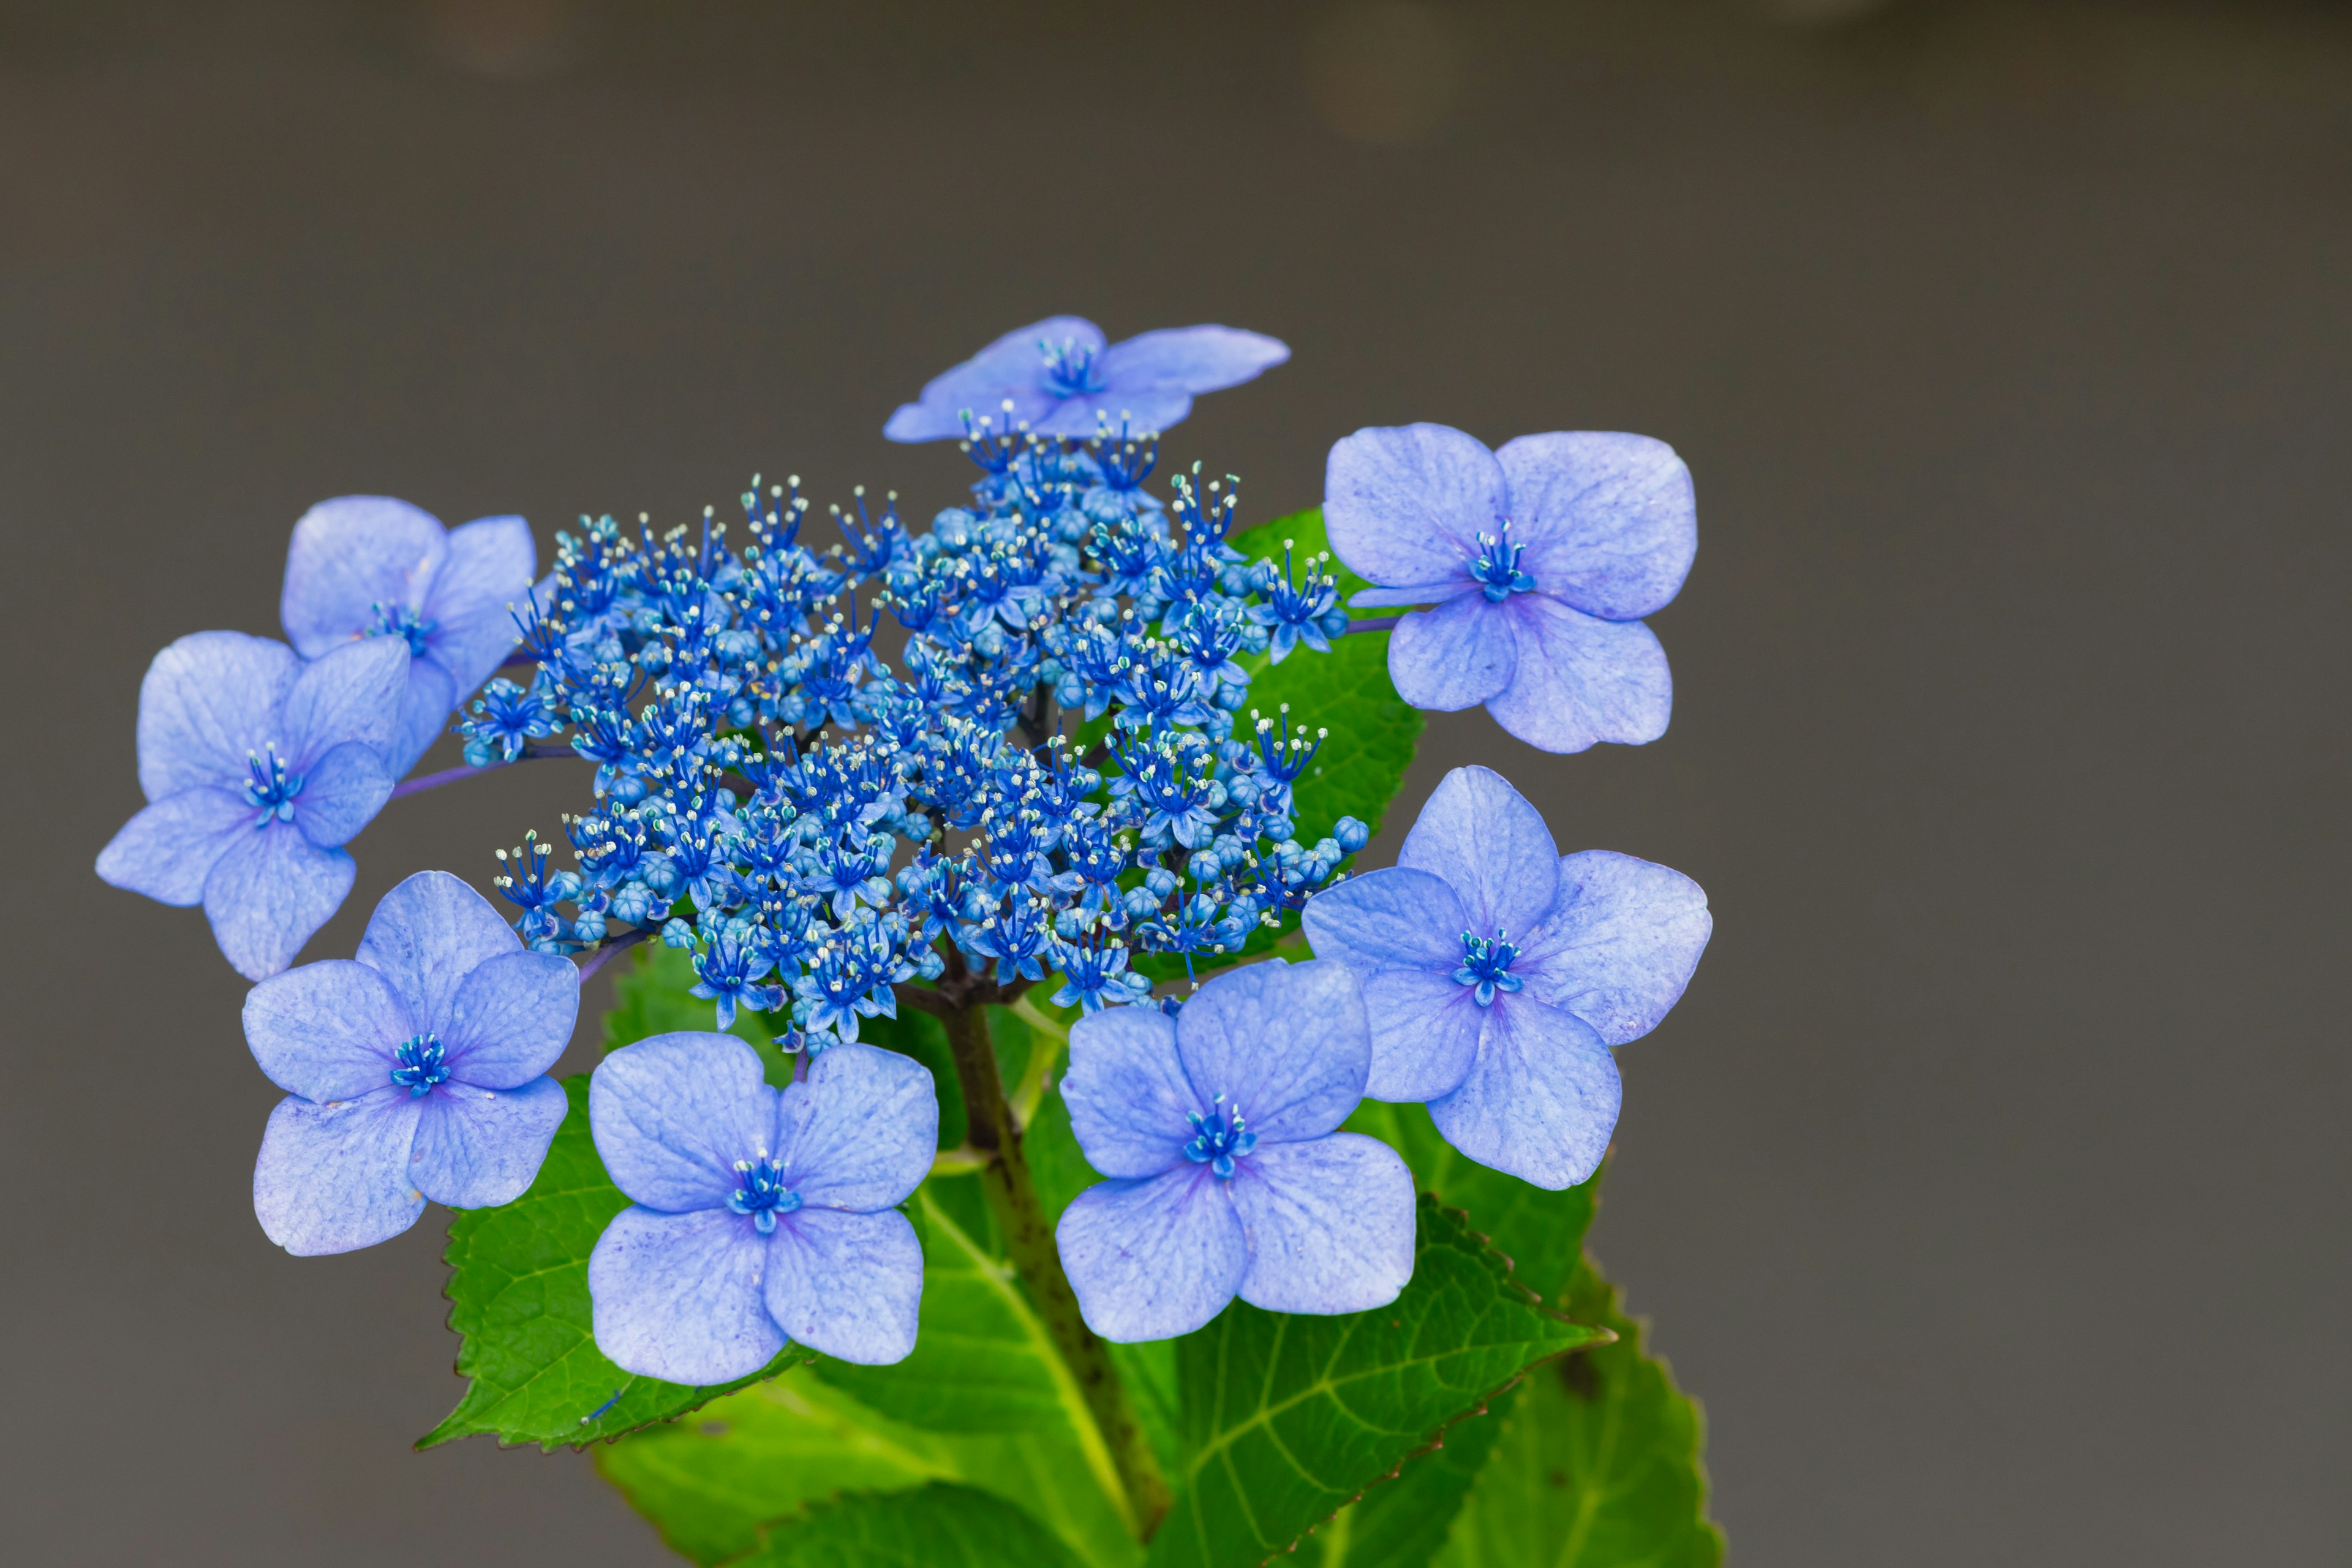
(1541, 1098)
(860, 1131)
(1127, 1091)
(170, 847)
(1405, 504)
(209, 702)
(349, 693)
(1010, 367)
(1621, 942)
(1080, 417)
(349, 555)
(1394, 916)
(425, 705)
(1330, 1224)
(1608, 520)
(846, 1284)
(512, 1018)
(1456, 656)
(1154, 1258)
(1286, 1044)
(677, 1295)
(1482, 837)
(478, 1148)
(1188, 359)
(341, 793)
(327, 1030)
(1425, 1028)
(489, 568)
(269, 893)
(672, 1114)
(1414, 594)
(1582, 681)
(334, 1177)
(427, 935)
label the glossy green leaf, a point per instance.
(1402, 1523)
(939, 1526)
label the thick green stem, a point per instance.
(1029, 1243)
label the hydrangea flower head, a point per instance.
(258, 768)
(1540, 561)
(416, 1070)
(1218, 1129)
(1499, 973)
(1061, 377)
(759, 1216)
(370, 566)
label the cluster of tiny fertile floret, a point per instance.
(1062, 772)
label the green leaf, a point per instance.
(519, 1293)
(1402, 1523)
(653, 994)
(939, 1526)
(1286, 1418)
(1598, 1464)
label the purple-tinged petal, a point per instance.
(672, 1114)
(1482, 837)
(1154, 1258)
(1286, 1044)
(1127, 1091)
(677, 1295)
(1330, 1224)
(334, 1177)
(860, 1133)
(478, 1148)
(341, 793)
(208, 701)
(1582, 681)
(846, 1284)
(349, 693)
(170, 847)
(1405, 504)
(1541, 1098)
(350, 556)
(425, 704)
(427, 935)
(1608, 520)
(1010, 367)
(327, 1030)
(1188, 359)
(489, 567)
(512, 1018)
(1425, 1028)
(1461, 654)
(269, 893)
(1394, 916)
(1443, 593)
(1081, 416)
(1621, 942)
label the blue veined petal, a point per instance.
(1154, 1258)
(1405, 505)
(1580, 680)
(1330, 1224)
(860, 1131)
(677, 1295)
(427, 935)
(1395, 916)
(327, 1030)
(425, 704)
(673, 1113)
(849, 1285)
(1461, 654)
(269, 893)
(334, 1177)
(1127, 1093)
(348, 557)
(1287, 1045)
(1425, 1027)
(1484, 839)
(1010, 367)
(489, 567)
(208, 703)
(476, 1147)
(1539, 1100)
(170, 847)
(341, 793)
(1621, 942)
(510, 1019)
(348, 693)
(1608, 520)
(1186, 359)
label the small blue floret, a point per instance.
(762, 1197)
(418, 1063)
(1219, 1138)
(1486, 964)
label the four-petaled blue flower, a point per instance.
(1498, 974)
(1062, 378)
(257, 769)
(759, 1216)
(363, 566)
(1540, 560)
(1229, 1176)
(415, 1071)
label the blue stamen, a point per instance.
(762, 1197)
(273, 786)
(1070, 367)
(1219, 1138)
(1497, 568)
(400, 621)
(419, 1064)
(1485, 964)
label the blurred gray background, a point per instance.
(1988, 1184)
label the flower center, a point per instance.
(762, 1197)
(1219, 1138)
(1497, 567)
(272, 787)
(1486, 964)
(1070, 368)
(418, 1064)
(400, 621)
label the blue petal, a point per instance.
(477, 1148)
(1330, 1224)
(269, 893)
(1621, 942)
(334, 1177)
(1405, 505)
(1010, 367)
(1286, 1044)
(208, 700)
(1425, 1028)
(170, 847)
(1582, 681)
(1154, 1258)
(1482, 836)
(1608, 520)
(860, 1131)
(846, 1284)
(489, 571)
(327, 1030)
(1541, 1098)
(1147, 409)
(1127, 1093)
(1188, 359)
(1456, 656)
(341, 793)
(427, 935)
(677, 1295)
(672, 1114)
(351, 693)
(350, 556)
(425, 704)
(512, 1018)
(1395, 916)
